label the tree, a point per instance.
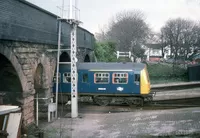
(105, 51)
(129, 31)
(180, 35)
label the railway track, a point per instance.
(173, 103)
(91, 108)
(176, 103)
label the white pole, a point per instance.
(76, 9)
(62, 11)
(70, 9)
(74, 87)
(57, 67)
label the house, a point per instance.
(153, 52)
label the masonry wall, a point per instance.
(27, 57)
(23, 21)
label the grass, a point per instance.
(166, 73)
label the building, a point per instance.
(153, 52)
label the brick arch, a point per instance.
(7, 52)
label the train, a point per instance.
(107, 83)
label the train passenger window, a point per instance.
(137, 78)
(120, 78)
(54, 78)
(67, 77)
(101, 78)
(85, 78)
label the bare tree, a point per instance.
(129, 30)
(180, 35)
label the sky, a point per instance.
(96, 14)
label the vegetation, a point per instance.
(164, 73)
(128, 30)
(181, 36)
(105, 51)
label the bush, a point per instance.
(165, 73)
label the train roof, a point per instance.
(110, 66)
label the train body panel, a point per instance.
(107, 79)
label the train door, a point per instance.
(136, 82)
(84, 84)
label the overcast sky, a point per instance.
(97, 13)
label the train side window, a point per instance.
(54, 78)
(101, 78)
(67, 77)
(137, 78)
(85, 78)
(120, 78)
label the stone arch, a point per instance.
(87, 58)
(11, 85)
(7, 53)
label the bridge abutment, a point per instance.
(34, 67)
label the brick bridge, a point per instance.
(26, 68)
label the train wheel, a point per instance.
(130, 103)
(101, 101)
(135, 102)
(141, 102)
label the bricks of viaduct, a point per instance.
(25, 58)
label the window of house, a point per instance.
(54, 78)
(101, 78)
(120, 78)
(137, 78)
(67, 77)
(85, 78)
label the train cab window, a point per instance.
(54, 78)
(101, 78)
(85, 78)
(137, 78)
(67, 77)
(120, 78)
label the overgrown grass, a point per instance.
(166, 73)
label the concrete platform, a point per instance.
(175, 84)
(127, 125)
(178, 94)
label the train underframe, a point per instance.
(104, 100)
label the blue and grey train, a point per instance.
(107, 82)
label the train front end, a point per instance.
(145, 85)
